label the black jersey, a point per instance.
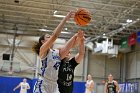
(66, 75)
(111, 87)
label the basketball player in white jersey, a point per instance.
(89, 85)
(51, 58)
(24, 86)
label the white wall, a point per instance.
(24, 61)
(100, 66)
(133, 65)
(96, 65)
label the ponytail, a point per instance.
(37, 45)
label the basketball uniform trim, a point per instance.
(47, 83)
(113, 88)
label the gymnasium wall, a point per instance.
(133, 65)
(2, 50)
(23, 62)
(100, 66)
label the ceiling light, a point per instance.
(104, 34)
(44, 30)
(65, 32)
(123, 27)
(55, 15)
(66, 28)
(129, 21)
(55, 12)
(58, 15)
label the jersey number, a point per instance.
(69, 77)
(56, 66)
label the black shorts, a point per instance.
(65, 89)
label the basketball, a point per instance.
(82, 17)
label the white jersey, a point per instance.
(23, 87)
(47, 83)
(88, 84)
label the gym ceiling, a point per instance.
(31, 18)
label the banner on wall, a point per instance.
(129, 87)
(132, 39)
(138, 37)
(124, 42)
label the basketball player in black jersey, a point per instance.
(111, 85)
(67, 66)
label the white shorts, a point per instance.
(45, 86)
(88, 91)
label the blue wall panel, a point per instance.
(7, 84)
(79, 87)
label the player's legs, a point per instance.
(45, 86)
